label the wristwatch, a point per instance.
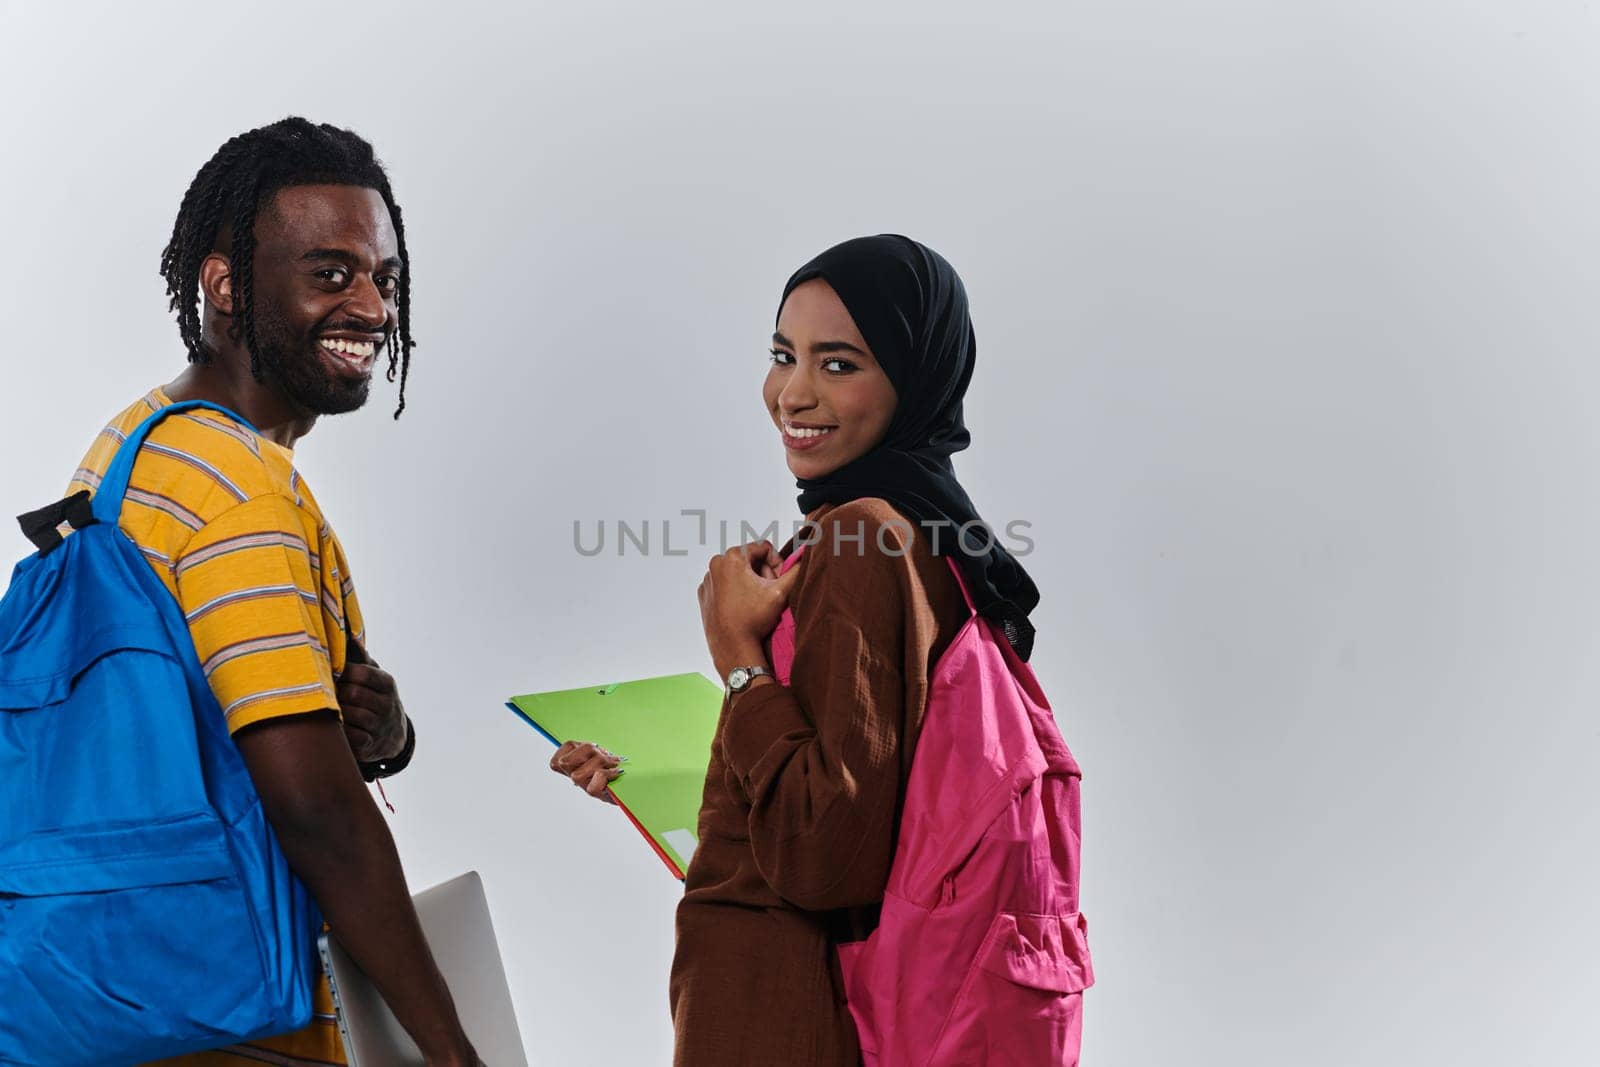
(739, 678)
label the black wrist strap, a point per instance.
(371, 772)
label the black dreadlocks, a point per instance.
(228, 191)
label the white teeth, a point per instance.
(796, 431)
(358, 349)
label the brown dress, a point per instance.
(802, 801)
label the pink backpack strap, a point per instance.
(780, 643)
(955, 568)
(961, 581)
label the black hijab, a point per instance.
(911, 308)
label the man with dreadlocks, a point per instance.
(287, 269)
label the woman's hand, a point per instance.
(590, 767)
(741, 599)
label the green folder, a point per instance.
(664, 726)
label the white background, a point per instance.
(1287, 349)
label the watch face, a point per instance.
(737, 678)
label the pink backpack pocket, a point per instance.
(1021, 1001)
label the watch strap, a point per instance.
(750, 674)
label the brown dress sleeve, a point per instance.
(822, 762)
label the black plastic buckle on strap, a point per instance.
(40, 526)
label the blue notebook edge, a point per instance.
(519, 713)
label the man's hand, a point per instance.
(374, 718)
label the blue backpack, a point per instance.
(146, 909)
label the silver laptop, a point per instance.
(455, 918)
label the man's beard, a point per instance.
(294, 362)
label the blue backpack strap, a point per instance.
(108, 498)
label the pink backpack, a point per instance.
(980, 955)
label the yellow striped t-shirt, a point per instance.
(229, 526)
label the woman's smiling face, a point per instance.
(829, 398)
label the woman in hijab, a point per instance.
(870, 361)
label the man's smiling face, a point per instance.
(326, 275)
